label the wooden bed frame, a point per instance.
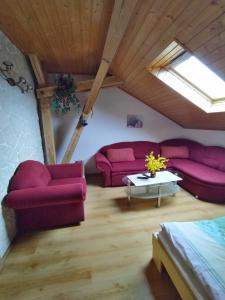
(163, 259)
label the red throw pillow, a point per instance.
(118, 155)
(175, 151)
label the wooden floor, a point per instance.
(107, 257)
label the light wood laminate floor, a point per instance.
(107, 257)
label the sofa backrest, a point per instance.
(30, 174)
(212, 156)
(141, 148)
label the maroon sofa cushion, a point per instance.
(199, 171)
(213, 156)
(175, 151)
(137, 165)
(217, 154)
(141, 149)
(120, 155)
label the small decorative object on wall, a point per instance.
(65, 96)
(135, 121)
(155, 164)
(83, 120)
(6, 70)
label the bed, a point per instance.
(193, 254)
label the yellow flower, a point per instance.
(155, 164)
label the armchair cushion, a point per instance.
(66, 170)
(45, 196)
(64, 181)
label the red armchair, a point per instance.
(46, 196)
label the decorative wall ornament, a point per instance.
(6, 72)
(135, 121)
(65, 96)
(83, 120)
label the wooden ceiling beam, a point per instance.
(120, 18)
(38, 70)
(81, 86)
(45, 108)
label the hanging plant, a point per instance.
(65, 96)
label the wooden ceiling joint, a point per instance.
(81, 86)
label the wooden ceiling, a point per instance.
(69, 36)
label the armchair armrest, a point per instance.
(104, 165)
(45, 196)
(102, 161)
(66, 170)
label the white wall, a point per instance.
(108, 125)
(19, 132)
(206, 137)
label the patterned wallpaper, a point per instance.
(19, 132)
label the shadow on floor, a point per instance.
(160, 283)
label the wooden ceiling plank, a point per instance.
(139, 17)
(146, 27)
(215, 27)
(162, 35)
(121, 14)
(45, 108)
(167, 33)
(204, 12)
(212, 44)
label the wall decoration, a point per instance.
(135, 121)
(7, 72)
(65, 96)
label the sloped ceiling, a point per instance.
(69, 37)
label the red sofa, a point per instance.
(45, 196)
(203, 170)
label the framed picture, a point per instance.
(135, 121)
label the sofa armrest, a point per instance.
(45, 196)
(66, 170)
(104, 165)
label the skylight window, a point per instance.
(188, 76)
(202, 77)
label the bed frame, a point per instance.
(163, 259)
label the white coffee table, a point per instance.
(164, 184)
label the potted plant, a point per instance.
(154, 164)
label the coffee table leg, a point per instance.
(159, 197)
(129, 193)
(174, 186)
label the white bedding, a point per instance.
(201, 246)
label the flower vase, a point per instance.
(153, 175)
